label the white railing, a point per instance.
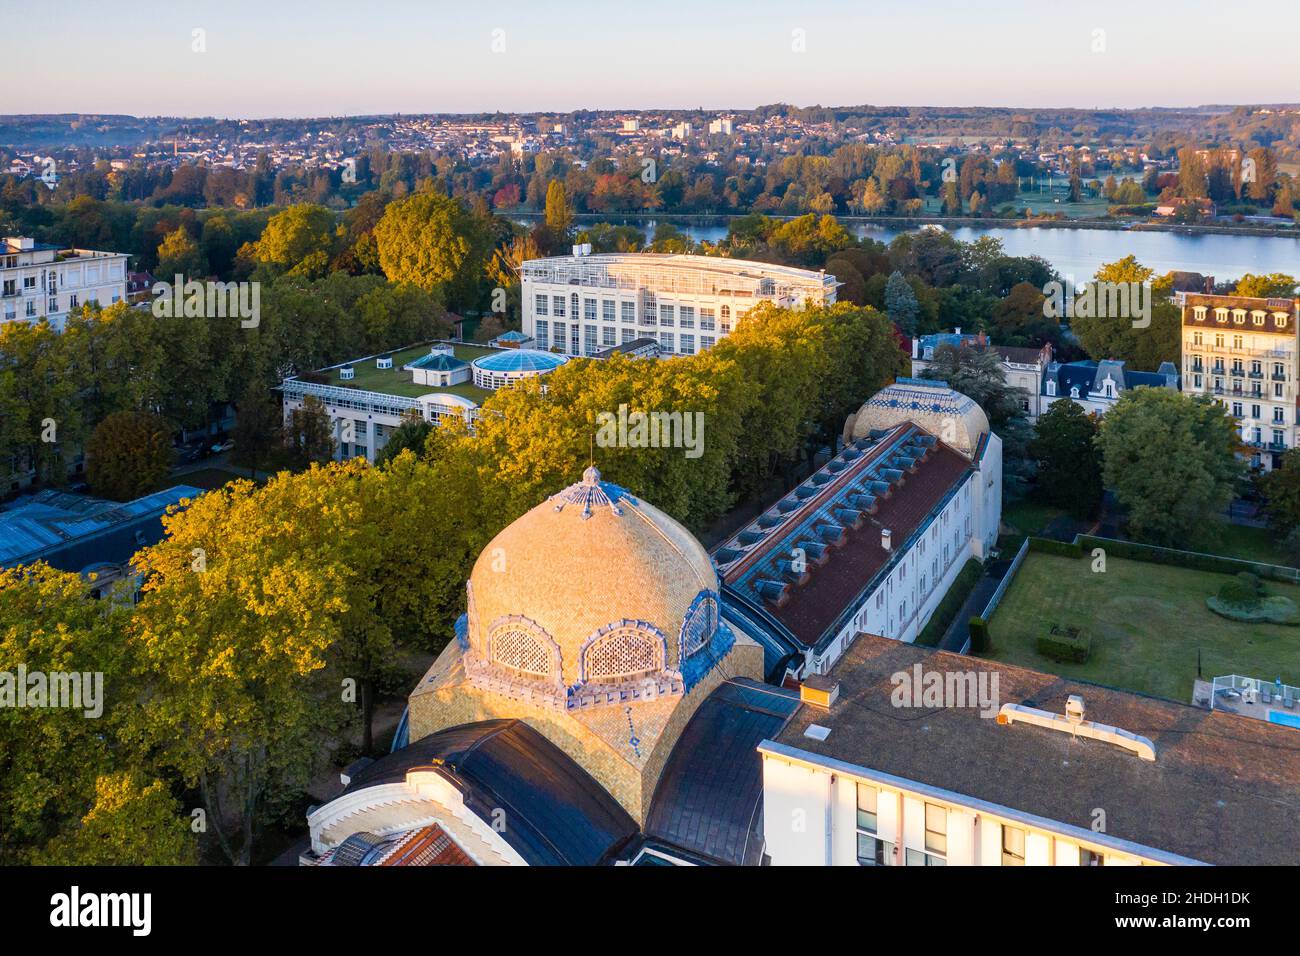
(1252, 690)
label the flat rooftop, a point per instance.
(1223, 789)
(394, 381)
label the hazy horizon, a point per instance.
(333, 58)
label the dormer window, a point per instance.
(1051, 387)
(1258, 316)
(1280, 318)
(1074, 391)
(1239, 316)
(1221, 315)
(1198, 313)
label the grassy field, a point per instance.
(1146, 622)
(1250, 544)
(393, 381)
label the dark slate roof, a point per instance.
(709, 801)
(1090, 376)
(555, 812)
(1223, 789)
(72, 532)
(438, 362)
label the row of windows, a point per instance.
(1257, 316)
(873, 851)
(684, 315)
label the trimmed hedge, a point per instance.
(1065, 549)
(1068, 646)
(979, 635)
(1182, 559)
(947, 610)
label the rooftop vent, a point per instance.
(820, 690)
(1073, 723)
(886, 539)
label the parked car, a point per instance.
(218, 448)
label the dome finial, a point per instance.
(591, 476)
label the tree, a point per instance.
(1276, 285)
(412, 433)
(130, 823)
(180, 255)
(559, 214)
(978, 374)
(128, 454)
(433, 242)
(1069, 465)
(901, 304)
(259, 430)
(300, 239)
(310, 433)
(1170, 459)
(1281, 488)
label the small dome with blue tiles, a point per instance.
(954, 418)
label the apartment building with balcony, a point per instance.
(1242, 351)
(42, 281)
(584, 304)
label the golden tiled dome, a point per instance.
(591, 587)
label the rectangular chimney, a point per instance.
(886, 539)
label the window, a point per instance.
(688, 344)
(1196, 338)
(726, 319)
(1091, 858)
(666, 315)
(686, 315)
(10, 287)
(589, 309)
(561, 333)
(558, 303)
(540, 305)
(608, 335)
(700, 624)
(706, 320)
(542, 334)
(1013, 846)
(1277, 415)
(522, 646)
(936, 828)
(706, 342)
(872, 851)
(607, 310)
(623, 653)
(588, 337)
(629, 335)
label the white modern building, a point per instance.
(42, 281)
(368, 398)
(907, 756)
(583, 304)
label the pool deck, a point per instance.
(1203, 696)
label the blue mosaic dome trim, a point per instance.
(592, 493)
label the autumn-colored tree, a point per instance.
(435, 243)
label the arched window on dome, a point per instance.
(523, 646)
(625, 651)
(700, 624)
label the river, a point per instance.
(1079, 252)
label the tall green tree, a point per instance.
(1069, 464)
(128, 454)
(1170, 459)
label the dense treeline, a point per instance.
(263, 601)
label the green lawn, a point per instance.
(1146, 622)
(1250, 544)
(393, 381)
(1029, 517)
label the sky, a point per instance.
(239, 58)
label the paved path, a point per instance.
(954, 639)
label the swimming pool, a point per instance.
(1282, 717)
